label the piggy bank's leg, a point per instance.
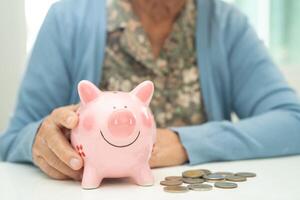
(90, 179)
(144, 176)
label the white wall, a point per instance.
(12, 54)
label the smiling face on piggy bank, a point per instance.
(115, 134)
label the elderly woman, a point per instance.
(204, 58)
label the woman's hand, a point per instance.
(54, 155)
(52, 151)
(168, 150)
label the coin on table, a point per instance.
(226, 185)
(213, 177)
(200, 187)
(193, 174)
(171, 182)
(193, 180)
(206, 171)
(176, 189)
(246, 174)
(235, 178)
(224, 173)
(173, 178)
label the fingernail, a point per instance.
(70, 120)
(75, 163)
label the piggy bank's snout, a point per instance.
(121, 123)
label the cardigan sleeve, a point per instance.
(268, 108)
(45, 86)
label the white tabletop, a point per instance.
(277, 178)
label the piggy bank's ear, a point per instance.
(87, 91)
(144, 92)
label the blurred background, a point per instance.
(276, 21)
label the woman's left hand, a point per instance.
(168, 150)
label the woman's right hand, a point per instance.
(52, 151)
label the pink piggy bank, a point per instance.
(115, 134)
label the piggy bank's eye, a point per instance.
(114, 107)
(125, 106)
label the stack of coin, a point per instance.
(200, 179)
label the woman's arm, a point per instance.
(46, 85)
(268, 108)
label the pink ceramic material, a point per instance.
(115, 134)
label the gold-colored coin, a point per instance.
(213, 177)
(176, 189)
(226, 185)
(206, 171)
(171, 182)
(193, 180)
(200, 187)
(173, 178)
(193, 174)
(246, 174)
(235, 178)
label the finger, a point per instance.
(56, 163)
(60, 146)
(50, 171)
(153, 161)
(65, 116)
(67, 133)
(159, 159)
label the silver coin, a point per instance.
(173, 178)
(176, 189)
(171, 182)
(246, 174)
(224, 173)
(226, 185)
(213, 177)
(193, 180)
(200, 187)
(235, 178)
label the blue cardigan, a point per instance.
(236, 73)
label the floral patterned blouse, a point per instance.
(129, 60)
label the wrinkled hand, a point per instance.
(168, 150)
(52, 151)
